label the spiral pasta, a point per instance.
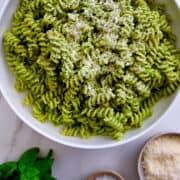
(93, 67)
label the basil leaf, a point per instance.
(50, 154)
(7, 169)
(29, 167)
(48, 177)
(29, 156)
(31, 172)
(44, 166)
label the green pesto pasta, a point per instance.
(94, 67)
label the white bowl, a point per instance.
(140, 168)
(14, 98)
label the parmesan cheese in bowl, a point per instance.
(160, 158)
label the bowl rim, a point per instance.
(109, 172)
(76, 145)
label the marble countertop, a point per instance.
(76, 164)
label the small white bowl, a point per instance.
(140, 167)
(14, 98)
(108, 173)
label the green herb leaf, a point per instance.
(23, 177)
(50, 154)
(31, 172)
(7, 169)
(29, 167)
(44, 166)
(48, 177)
(29, 157)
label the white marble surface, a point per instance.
(76, 164)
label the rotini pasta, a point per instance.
(94, 67)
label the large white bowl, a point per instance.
(14, 98)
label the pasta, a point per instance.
(94, 67)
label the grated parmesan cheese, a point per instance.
(161, 158)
